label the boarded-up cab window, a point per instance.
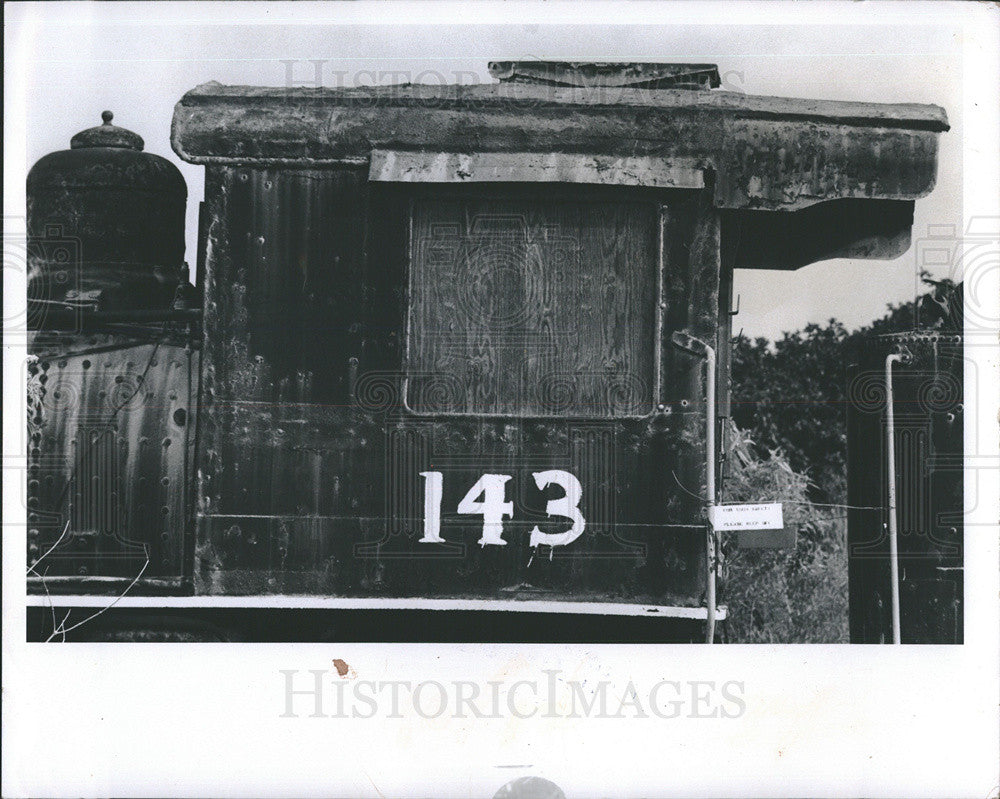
(531, 307)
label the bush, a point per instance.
(783, 596)
(790, 398)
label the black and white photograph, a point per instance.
(541, 378)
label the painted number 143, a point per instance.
(488, 498)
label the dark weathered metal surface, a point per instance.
(929, 462)
(111, 417)
(852, 228)
(403, 166)
(768, 153)
(107, 135)
(213, 622)
(105, 224)
(310, 464)
(570, 73)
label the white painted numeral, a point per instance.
(432, 507)
(493, 507)
(493, 488)
(566, 506)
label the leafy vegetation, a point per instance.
(789, 444)
(789, 595)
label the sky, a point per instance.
(138, 60)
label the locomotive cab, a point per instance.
(439, 347)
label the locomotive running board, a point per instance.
(283, 602)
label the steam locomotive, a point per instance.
(448, 350)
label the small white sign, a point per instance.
(747, 517)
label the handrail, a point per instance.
(700, 348)
(75, 318)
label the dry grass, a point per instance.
(784, 596)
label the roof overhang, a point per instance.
(763, 153)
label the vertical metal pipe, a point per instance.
(891, 458)
(710, 490)
(703, 350)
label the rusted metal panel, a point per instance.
(768, 153)
(778, 164)
(423, 167)
(906, 115)
(111, 415)
(321, 492)
(576, 73)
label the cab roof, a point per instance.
(756, 152)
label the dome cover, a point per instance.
(115, 215)
(107, 135)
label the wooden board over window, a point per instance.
(532, 307)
